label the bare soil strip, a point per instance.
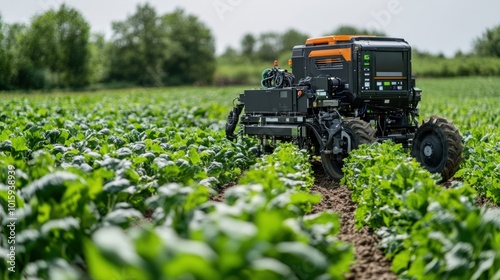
(483, 201)
(221, 191)
(370, 261)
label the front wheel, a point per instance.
(355, 132)
(437, 145)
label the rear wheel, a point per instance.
(437, 145)
(354, 133)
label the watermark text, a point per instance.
(11, 219)
(222, 7)
(382, 18)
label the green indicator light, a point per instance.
(367, 64)
(387, 83)
(367, 57)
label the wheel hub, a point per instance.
(432, 150)
(428, 150)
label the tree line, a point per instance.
(57, 50)
(269, 46)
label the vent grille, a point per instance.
(329, 63)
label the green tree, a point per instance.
(10, 59)
(139, 48)
(74, 35)
(6, 71)
(292, 38)
(248, 44)
(489, 43)
(99, 49)
(230, 52)
(191, 57)
(270, 46)
(352, 30)
(56, 49)
(149, 49)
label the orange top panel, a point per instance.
(332, 40)
(345, 53)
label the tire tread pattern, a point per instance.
(454, 145)
(362, 133)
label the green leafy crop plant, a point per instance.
(429, 232)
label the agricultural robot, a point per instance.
(345, 91)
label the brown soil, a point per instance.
(483, 201)
(220, 195)
(370, 261)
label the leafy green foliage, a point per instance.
(192, 56)
(353, 30)
(119, 185)
(81, 164)
(56, 47)
(258, 231)
(488, 43)
(151, 49)
(57, 50)
(461, 66)
(430, 232)
(481, 168)
(139, 47)
(8, 53)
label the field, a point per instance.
(142, 184)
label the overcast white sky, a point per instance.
(430, 25)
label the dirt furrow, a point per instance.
(370, 261)
(221, 191)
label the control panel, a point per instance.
(383, 71)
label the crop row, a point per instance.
(73, 168)
(429, 232)
(258, 232)
(64, 230)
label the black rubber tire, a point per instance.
(231, 123)
(437, 145)
(360, 132)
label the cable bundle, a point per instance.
(276, 78)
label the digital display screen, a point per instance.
(389, 64)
